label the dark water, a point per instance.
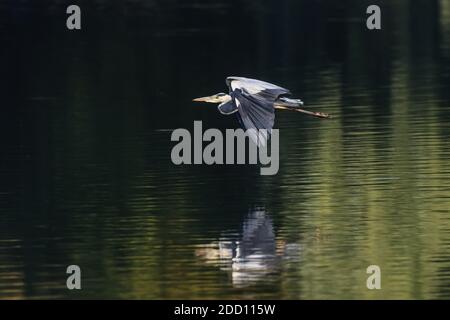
(86, 176)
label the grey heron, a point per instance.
(255, 102)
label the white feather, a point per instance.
(251, 86)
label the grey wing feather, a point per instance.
(253, 86)
(255, 113)
(254, 100)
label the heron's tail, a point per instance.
(295, 105)
(289, 103)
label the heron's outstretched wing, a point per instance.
(256, 87)
(256, 114)
(254, 100)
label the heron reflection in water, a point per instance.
(254, 254)
(255, 101)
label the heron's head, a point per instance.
(216, 98)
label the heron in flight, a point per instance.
(255, 102)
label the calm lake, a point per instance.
(86, 176)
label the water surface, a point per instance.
(86, 176)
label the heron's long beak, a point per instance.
(203, 99)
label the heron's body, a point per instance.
(255, 102)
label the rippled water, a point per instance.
(86, 176)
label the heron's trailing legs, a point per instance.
(284, 103)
